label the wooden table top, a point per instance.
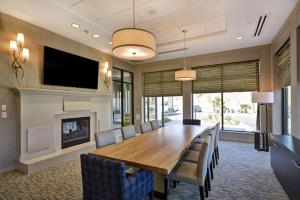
(158, 150)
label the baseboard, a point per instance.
(237, 137)
(7, 169)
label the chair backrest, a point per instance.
(202, 160)
(155, 124)
(191, 122)
(146, 127)
(105, 138)
(128, 132)
(102, 178)
(118, 134)
(217, 127)
(211, 145)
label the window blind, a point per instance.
(230, 77)
(161, 83)
(284, 64)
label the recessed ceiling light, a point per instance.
(239, 38)
(110, 43)
(75, 25)
(96, 35)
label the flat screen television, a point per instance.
(65, 69)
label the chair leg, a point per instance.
(174, 184)
(216, 157)
(218, 153)
(211, 171)
(213, 160)
(151, 195)
(166, 187)
(206, 187)
(201, 193)
(208, 180)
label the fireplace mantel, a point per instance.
(40, 91)
(40, 112)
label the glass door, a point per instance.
(123, 98)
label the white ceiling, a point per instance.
(169, 18)
(212, 25)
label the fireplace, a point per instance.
(75, 131)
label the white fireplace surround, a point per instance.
(40, 112)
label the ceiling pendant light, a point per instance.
(185, 74)
(133, 43)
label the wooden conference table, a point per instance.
(157, 150)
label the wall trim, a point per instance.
(237, 137)
(38, 91)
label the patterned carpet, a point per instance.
(243, 173)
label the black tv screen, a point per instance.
(65, 69)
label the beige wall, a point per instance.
(260, 52)
(35, 39)
(288, 30)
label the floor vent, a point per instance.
(260, 25)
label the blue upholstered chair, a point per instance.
(104, 179)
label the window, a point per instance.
(222, 93)
(233, 110)
(284, 68)
(207, 107)
(123, 98)
(162, 97)
(286, 110)
(173, 112)
(239, 113)
(172, 107)
(117, 104)
(153, 109)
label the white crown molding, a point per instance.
(38, 91)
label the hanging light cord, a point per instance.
(133, 16)
(184, 60)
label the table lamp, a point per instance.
(263, 99)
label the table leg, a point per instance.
(159, 186)
(263, 142)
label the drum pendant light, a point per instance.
(133, 43)
(185, 74)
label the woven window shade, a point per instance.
(284, 63)
(231, 77)
(161, 83)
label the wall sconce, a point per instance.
(20, 55)
(107, 73)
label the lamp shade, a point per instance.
(13, 45)
(20, 38)
(185, 75)
(262, 97)
(133, 44)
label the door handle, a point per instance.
(296, 164)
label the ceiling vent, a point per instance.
(260, 25)
(172, 51)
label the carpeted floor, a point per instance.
(243, 173)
